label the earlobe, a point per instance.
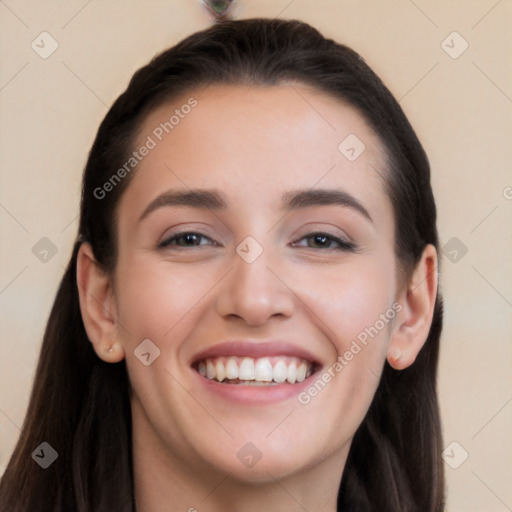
(394, 357)
(97, 306)
(414, 320)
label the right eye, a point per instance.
(186, 239)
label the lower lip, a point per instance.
(254, 394)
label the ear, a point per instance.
(415, 318)
(97, 305)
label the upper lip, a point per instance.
(254, 349)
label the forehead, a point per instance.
(255, 143)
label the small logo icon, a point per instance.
(249, 455)
(44, 455)
(454, 249)
(146, 352)
(249, 250)
(351, 147)
(44, 250)
(44, 45)
(454, 45)
(455, 455)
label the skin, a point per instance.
(253, 144)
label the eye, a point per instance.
(186, 239)
(321, 240)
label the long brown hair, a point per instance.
(80, 404)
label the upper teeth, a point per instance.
(264, 369)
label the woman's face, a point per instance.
(255, 239)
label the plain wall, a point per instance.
(460, 107)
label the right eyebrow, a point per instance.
(195, 198)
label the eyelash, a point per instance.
(343, 245)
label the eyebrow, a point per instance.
(198, 198)
(319, 197)
(293, 200)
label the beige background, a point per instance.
(462, 111)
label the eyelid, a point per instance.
(325, 228)
(198, 227)
(345, 244)
(165, 241)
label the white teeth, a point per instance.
(246, 371)
(220, 370)
(231, 369)
(210, 370)
(255, 383)
(301, 372)
(263, 370)
(291, 373)
(280, 371)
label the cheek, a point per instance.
(349, 308)
(351, 299)
(153, 299)
(351, 303)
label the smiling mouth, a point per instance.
(261, 371)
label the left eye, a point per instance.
(325, 241)
(186, 239)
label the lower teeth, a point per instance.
(248, 382)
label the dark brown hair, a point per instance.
(80, 404)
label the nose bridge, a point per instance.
(252, 291)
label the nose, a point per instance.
(254, 293)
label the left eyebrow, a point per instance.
(306, 198)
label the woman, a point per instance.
(250, 317)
